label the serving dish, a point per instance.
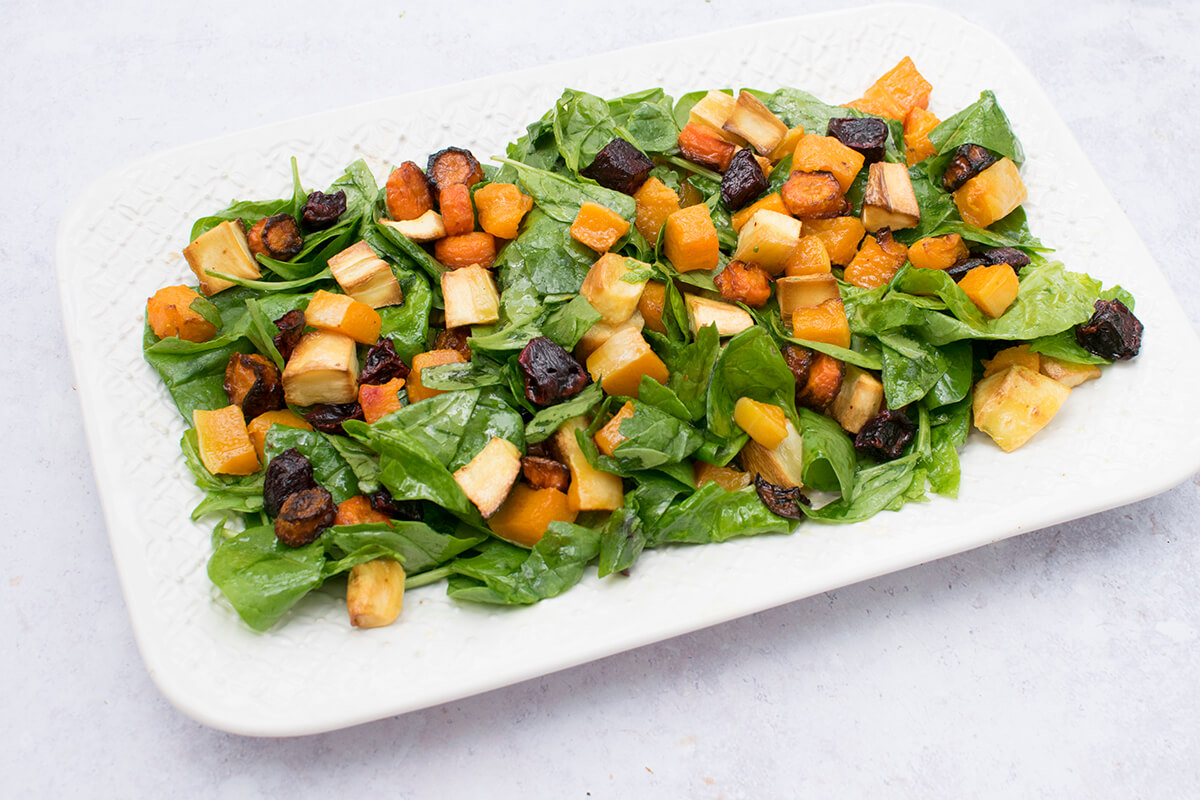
(1117, 441)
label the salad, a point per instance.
(654, 321)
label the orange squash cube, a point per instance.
(691, 239)
(170, 313)
(727, 478)
(898, 91)
(340, 313)
(223, 441)
(528, 512)
(379, 400)
(598, 227)
(992, 288)
(840, 236)
(825, 323)
(771, 202)
(357, 511)
(620, 363)
(917, 126)
(809, 258)
(816, 153)
(991, 195)
(763, 422)
(608, 437)
(500, 208)
(433, 358)
(258, 427)
(655, 202)
(463, 251)
(937, 252)
(877, 261)
(651, 304)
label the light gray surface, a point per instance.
(1060, 663)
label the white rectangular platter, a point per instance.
(1115, 441)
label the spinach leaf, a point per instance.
(194, 372)
(544, 259)
(945, 438)
(829, 459)
(263, 578)
(713, 514)
(955, 382)
(407, 324)
(362, 460)
(750, 366)
(622, 540)
(1062, 345)
(690, 366)
(410, 472)
(561, 197)
(869, 357)
(567, 325)
(795, 107)
(648, 119)
(329, 468)
(416, 545)
(505, 574)
(653, 438)
(983, 123)
(222, 493)
(911, 367)
(477, 373)
(547, 420)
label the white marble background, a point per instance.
(1064, 663)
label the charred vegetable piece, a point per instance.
(885, 435)
(701, 145)
(743, 181)
(276, 237)
(814, 195)
(867, 135)
(1113, 332)
(452, 166)
(619, 166)
(969, 160)
(545, 473)
(406, 510)
(551, 374)
(288, 473)
(322, 210)
(382, 364)
(744, 283)
(304, 516)
(823, 383)
(454, 339)
(291, 329)
(782, 501)
(328, 417)
(964, 265)
(252, 382)
(1005, 255)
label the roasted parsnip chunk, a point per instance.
(729, 319)
(487, 477)
(365, 276)
(425, 228)
(375, 593)
(890, 201)
(222, 249)
(608, 291)
(860, 399)
(754, 122)
(767, 240)
(782, 465)
(471, 297)
(323, 369)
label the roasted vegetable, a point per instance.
(545, 473)
(743, 181)
(968, 161)
(322, 210)
(408, 195)
(434, 358)
(288, 473)
(1112, 332)
(619, 166)
(814, 195)
(470, 249)
(322, 369)
(598, 227)
(655, 202)
(705, 147)
(451, 166)
(276, 237)
(890, 201)
(375, 593)
(222, 249)
(864, 134)
(223, 441)
(470, 296)
(304, 516)
(170, 313)
(252, 383)
(365, 276)
(690, 240)
(744, 283)
(487, 477)
(551, 375)
(501, 207)
(1014, 404)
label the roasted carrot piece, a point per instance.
(457, 214)
(825, 375)
(465, 250)
(357, 511)
(814, 194)
(453, 165)
(379, 400)
(704, 148)
(501, 207)
(744, 283)
(598, 227)
(408, 195)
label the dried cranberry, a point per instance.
(322, 210)
(1113, 332)
(328, 417)
(551, 375)
(1005, 255)
(619, 166)
(969, 160)
(382, 364)
(291, 328)
(783, 501)
(304, 516)
(867, 135)
(885, 435)
(743, 180)
(964, 265)
(543, 473)
(288, 473)
(405, 510)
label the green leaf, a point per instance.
(561, 197)
(713, 514)
(547, 420)
(983, 123)
(829, 459)
(622, 540)
(261, 577)
(505, 574)
(750, 366)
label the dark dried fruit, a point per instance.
(322, 210)
(252, 382)
(885, 435)
(542, 449)
(328, 417)
(382, 364)
(551, 375)
(404, 510)
(276, 237)
(867, 135)
(743, 181)
(304, 516)
(454, 339)
(1005, 255)
(288, 473)
(1113, 332)
(545, 473)
(619, 166)
(969, 160)
(291, 328)
(782, 501)
(451, 166)
(959, 268)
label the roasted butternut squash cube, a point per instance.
(763, 422)
(365, 276)
(340, 313)
(823, 323)
(729, 319)
(357, 510)
(691, 239)
(771, 202)
(222, 249)
(619, 364)
(1009, 356)
(375, 593)
(528, 512)
(754, 122)
(606, 288)
(917, 126)
(323, 369)
(651, 305)
(601, 332)
(1014, 404)
(487, 477)
(782, 465)
(591, 489)
(992, 288)
(727, 478)
(991, 195)
(937, 252)
(805, 291)
(598, 227)
(464, 251)
(428, 227)
(379, 400)
(896, 93)
(816, 153)
(768, 240)
(840, 236)
(500, 208)
(258, 427)
(809, 258)
(169, 312)
(1067, 373)
(655, 201)
(859, 399)
(876, 262)
(608, 437)
(433, 358)
(470, 296)
(224, 444)
(744, 283)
